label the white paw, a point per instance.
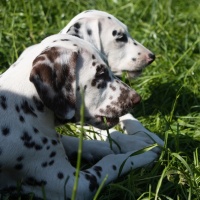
(132, 126)
(123, 143)
(94, 150)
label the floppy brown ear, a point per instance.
(53, 75)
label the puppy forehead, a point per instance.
(96, 14)
(62, 43)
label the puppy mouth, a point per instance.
(135, 73)
(108, 121)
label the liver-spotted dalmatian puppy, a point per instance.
(122, 53)
(45, 87)
(120, 50)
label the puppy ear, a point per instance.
(53, 75)
(88, 29)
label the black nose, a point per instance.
(152, 57)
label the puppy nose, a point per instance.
(151, 58)
(136, 98)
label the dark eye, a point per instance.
(122, 38)
(100, 70)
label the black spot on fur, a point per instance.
(133, 59)
(5, 131)
(93, 56)
(76, 35)
(34, 182)
(3, 102)
(132, 163)
(44, 140)
(93, 63)
(38, 147)
(21, 119)
(17, 108)
(18, 166)
(28, 142)
(51, 162)
(114, 167)
(54, 142)
(109, 17)
(64, 40)
(93, 182)
(20, 158)
(135, 43)
(26, 137)
(35, 130)
(53, 153)
(44, 164)
(98, 170)
(60, 175)
(28, 109)
(89, 31)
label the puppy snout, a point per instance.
(136, 98)
(151, 58)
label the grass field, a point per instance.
(170, 87)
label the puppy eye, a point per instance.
(122, 38)
(100, 70)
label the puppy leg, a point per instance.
(132, 126)
(52, 173)
(93, 150)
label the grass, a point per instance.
(170, 86)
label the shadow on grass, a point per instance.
(168, 97)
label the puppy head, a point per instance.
(111, 37)
(70, 66)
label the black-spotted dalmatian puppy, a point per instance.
(111, 37)
(46, 87)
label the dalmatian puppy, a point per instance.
(128, 123)
(45, 87)
(112, 39)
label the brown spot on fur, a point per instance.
(112, 87)
(51, 53)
